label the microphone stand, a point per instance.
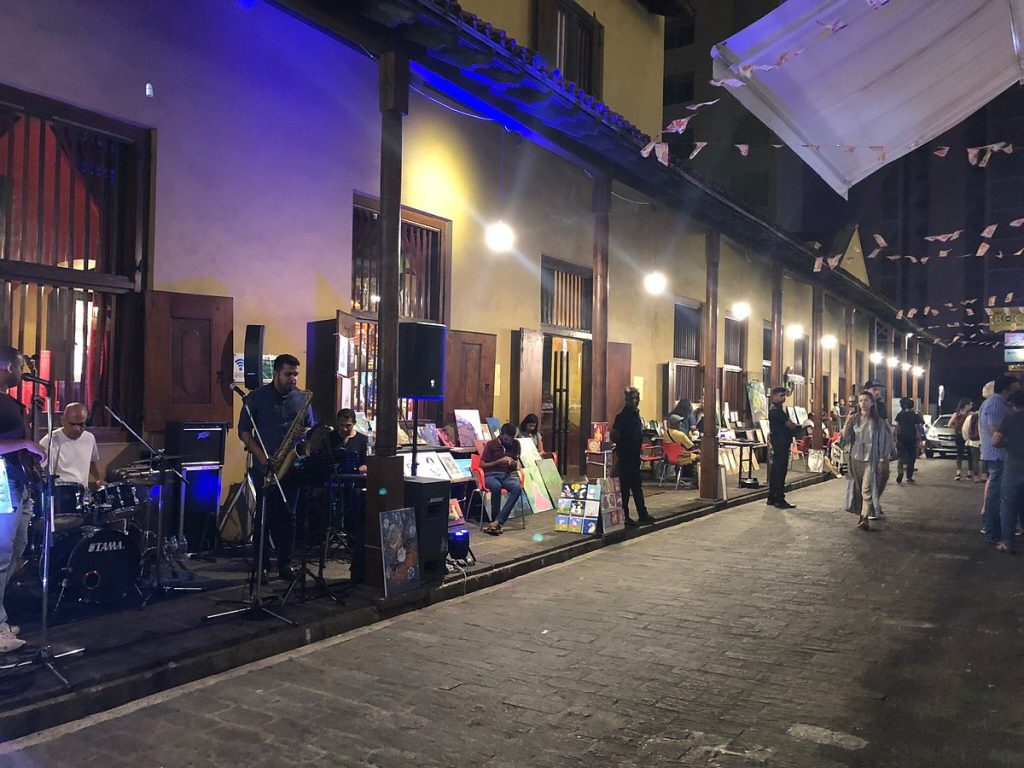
(257, 604)
(45, 656)
(159, 459)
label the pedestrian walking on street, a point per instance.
(1010, 437)
(909, 426)
(990, 419)
(877, 391)
(870, 442)
(963, 409)
(628, 435)
(780, 437)
(972, 439)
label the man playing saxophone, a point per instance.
(282, 415)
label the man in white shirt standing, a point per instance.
(71, 451)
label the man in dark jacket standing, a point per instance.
(780, 436)
(627, 434)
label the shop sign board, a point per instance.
(1015, 367)
(1013, 355)
(1013, 339)
(1006, 319)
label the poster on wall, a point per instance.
(400, 552)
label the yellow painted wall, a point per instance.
(633, 50)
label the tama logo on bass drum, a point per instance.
(106, 546)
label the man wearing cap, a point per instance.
(876, 388)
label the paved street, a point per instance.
(753, 637)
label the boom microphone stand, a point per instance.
(257, 603)
(45, 656)
(160, 461)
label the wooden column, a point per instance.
(926, 363)
(600, 206)
(915, 381)
(851, 374)
(889, 370)
(817, 364)
(394, 104)
(709, 355)
(777, 370)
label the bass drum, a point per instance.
(94, 564)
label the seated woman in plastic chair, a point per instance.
(679, 453)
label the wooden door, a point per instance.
(188, 359)
(620, 361)
(469, 371)
(526, 379)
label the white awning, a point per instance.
(889, 80)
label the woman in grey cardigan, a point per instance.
(870, 443)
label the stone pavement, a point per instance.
(752, 637)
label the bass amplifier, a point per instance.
(197, 442)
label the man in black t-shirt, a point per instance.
(15, 504)
(780, 437)
(349, 448)
(909, 426)
(627, 434)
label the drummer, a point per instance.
(71, 451)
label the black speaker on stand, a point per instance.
(429, 497)
(253, 357)
(422, 349)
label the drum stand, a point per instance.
(45, 657)
(257, 604)
(159, 462)
(306, 568)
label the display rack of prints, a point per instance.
(612, 518)
(455, 472)
(429, 465)
(493, 427)
(579, 508)
(399, 550)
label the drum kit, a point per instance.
(103, 545)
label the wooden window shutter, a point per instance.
(597, 60)
(546, 36)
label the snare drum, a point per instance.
(114, 501)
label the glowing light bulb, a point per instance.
(917, 371)
(876, 358)
(892, 362)
(499, 237)
(829, 341)
(795, 331)
(905, 366)
(741, 310)
(655, 283)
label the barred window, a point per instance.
(686, 344)
(566, 295)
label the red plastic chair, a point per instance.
(483, 492)
(674, 453)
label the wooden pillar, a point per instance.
(852, 385)
(817, 364)
(889, 370)
(926, 363)
(709, 354)
(600, 206)
(915, 381)
(778, 380)
(394, 104)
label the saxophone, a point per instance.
(287, 452)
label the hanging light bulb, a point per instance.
(876, 358)
(741, 310)
(917, 371)
(794, 331)
(655, 283)
(829, 341)
(499, 237)
(905, 367)
(892, 362)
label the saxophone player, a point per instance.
(276, 408)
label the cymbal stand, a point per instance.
(159, 462)
(45, 657)
(257, 603)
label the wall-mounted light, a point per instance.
(876, 358)
(892, 362)
(917, 371)
(794, 331)
(828, 341)
(741, 310)
(655, 283)
(910, 334)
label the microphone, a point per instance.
(36, 380)
(239, 391)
